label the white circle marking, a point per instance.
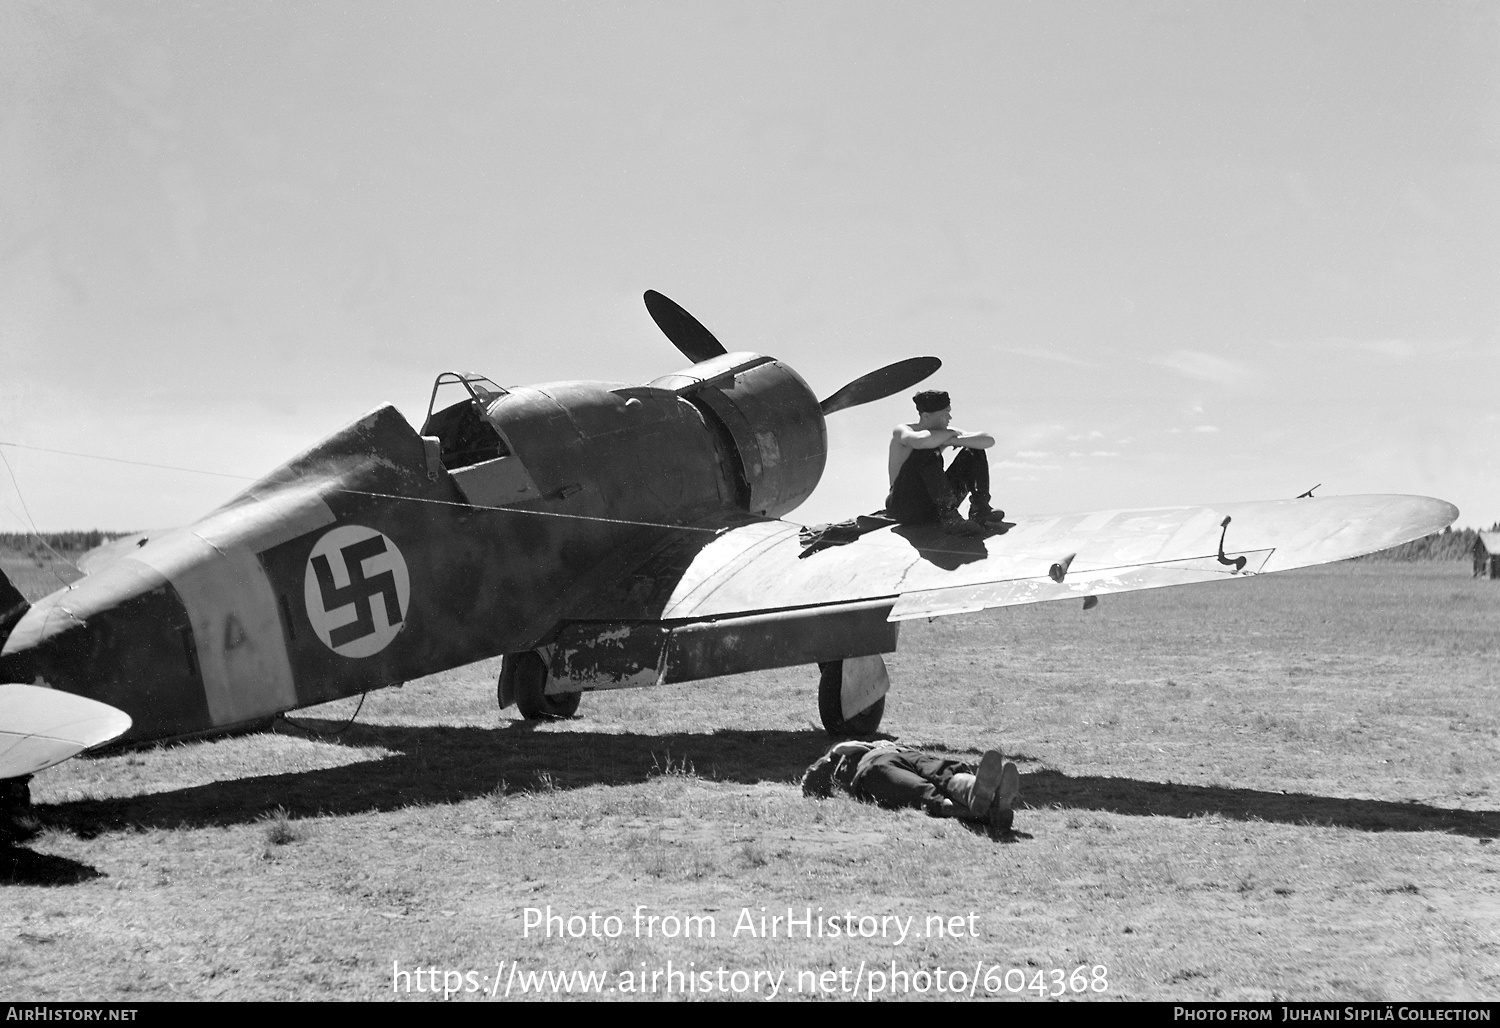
(357, 590)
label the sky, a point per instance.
(1169, 253)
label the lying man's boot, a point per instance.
(1001, 814)
(985, 517)
(987, 778)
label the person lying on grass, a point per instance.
(897, 776)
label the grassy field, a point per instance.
(1288, 787)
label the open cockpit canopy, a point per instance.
(460, 426)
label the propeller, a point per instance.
(879, 384)
(686, 332)
(698, 344)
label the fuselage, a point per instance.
(370, 559)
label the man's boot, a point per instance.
(1001, 814)
(987, 779)
(952, 524)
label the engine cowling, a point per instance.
(770, 417)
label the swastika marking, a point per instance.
(348, 569)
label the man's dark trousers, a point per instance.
(902, 777)
(923, 491)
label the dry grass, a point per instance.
(37, 572)
(279, 830)
(1284, 788)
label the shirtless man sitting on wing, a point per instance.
(922, 492)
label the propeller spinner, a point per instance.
(699, 344)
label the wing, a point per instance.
(755, 596)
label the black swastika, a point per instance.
(358, 591)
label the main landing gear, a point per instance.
(858, 684)
(851, 692)
(523, 680)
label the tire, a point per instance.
(528, 679)
(831, 705)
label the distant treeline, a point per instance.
(1444, 545)
(62, 542)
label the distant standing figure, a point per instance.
(922, 491)
(898, 776)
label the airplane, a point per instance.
(595, 535)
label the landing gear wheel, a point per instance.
(831, 705)
(527, 673)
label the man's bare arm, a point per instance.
(937, 438)
(924, 438)
(972, 440)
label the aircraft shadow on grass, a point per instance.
(433, 765)
(21, 866)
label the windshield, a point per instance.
(465, 436)
(455, 386)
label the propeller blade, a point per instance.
(686, 332)
(877, 385)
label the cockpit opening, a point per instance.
(465, 435)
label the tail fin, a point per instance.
(13, 607)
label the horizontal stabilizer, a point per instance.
(40, 727)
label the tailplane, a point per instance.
(40, 727)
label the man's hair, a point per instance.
(930, 400)
(818, 782)
(835, 769)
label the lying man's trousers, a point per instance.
(898, 776)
